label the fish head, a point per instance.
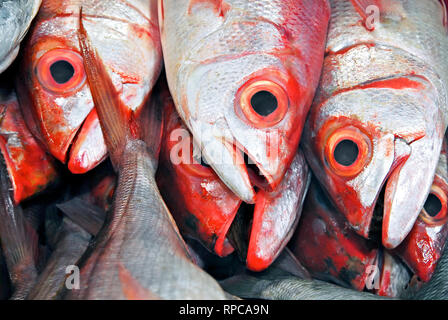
(206, 209)
(384, 134)
(423, 247)
(55, 96)
(249, 125)
(245, 88)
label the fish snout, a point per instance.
(407, 189)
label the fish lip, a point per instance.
(74, 160)
(264, 180)
(399, 214)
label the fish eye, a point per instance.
(347, 151)
(435, 209)
(61, 71)
(263, 103)
(433, 205)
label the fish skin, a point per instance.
(30, 168)
(71, 242)
(15, 19)
(424, 245)
(204, 208)
(275, 286)
(18, 240)
(139, 234)
(388, 88)
(211, 61)
(63, 118)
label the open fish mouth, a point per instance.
(260, 231)
(239, 171)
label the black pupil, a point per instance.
(346, 152)
(433, 205)
(264, 103)
(62, 71)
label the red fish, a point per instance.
(56, 99)
(29, 167)
(380, 113)
(424, 245)
(205, 208)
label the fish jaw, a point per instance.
(394, 277)
(400, 213)
(424, 245)
(276, 215)
(88, 147)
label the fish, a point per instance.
(332, 251)
(53, 91)
(16, 17)
(30, 169)
(243, 75)
(424, 245)
(70, 241)
(139, 249)
(205, 209)
(380, 113)
(18, 240)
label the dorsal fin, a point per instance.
(114, 122)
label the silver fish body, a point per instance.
(15, 19)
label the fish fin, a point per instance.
(86, 215)
(220, 7)
(151, 119)
(18, 239)
(289, 263)
(133, 290)
(113, 120)
(362, 6)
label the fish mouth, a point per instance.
(260, 231)
(87, 149)
(387, 276)
(399, 198)
(255, 176)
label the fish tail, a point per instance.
(113, 120)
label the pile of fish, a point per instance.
(223, 149)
